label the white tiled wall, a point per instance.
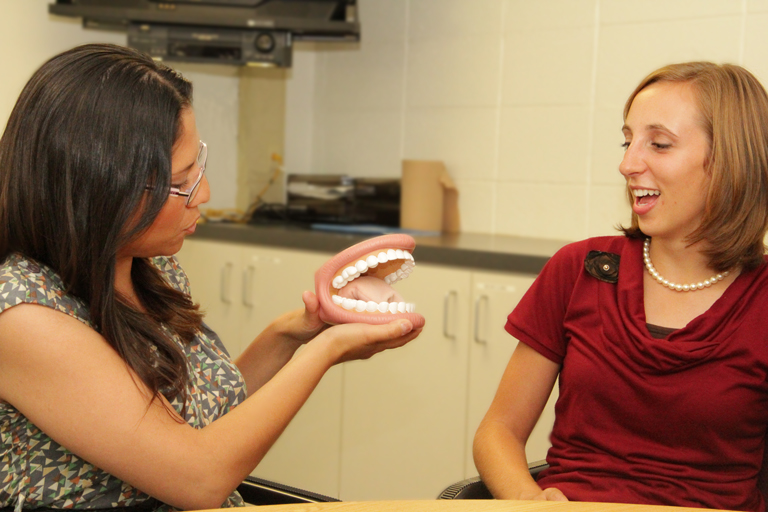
(522, 99)
(29, 36)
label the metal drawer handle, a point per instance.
(226, 275)
(483, 299)
(446, 307)
(248, 285)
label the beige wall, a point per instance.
(29, 36)
(521, 98)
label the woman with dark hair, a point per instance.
(658, 337)
(112, 389)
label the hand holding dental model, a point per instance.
(355, 285)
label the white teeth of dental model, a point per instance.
(352, 272)
(373, 307)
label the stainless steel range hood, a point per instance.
(239, 32)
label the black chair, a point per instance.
(257, 491)
(475, 489)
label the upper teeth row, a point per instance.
(642, 192)
(361, 267)
(373, 307)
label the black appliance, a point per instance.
(240, 32)
(335, 199)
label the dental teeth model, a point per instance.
(354, 286)
(360, 268)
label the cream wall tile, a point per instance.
(632, 11)
(608, 207)
(541, 210)
(756, 45)
(300, 101)
(606, 146)
(548, 66)
(757, 5)
(544, 144)
(459, 72)
(477, 200)
(369, 77)
(463, 138)
(447, 19)
(359, 143)
(383, 20)
(548, 14)
(216, 102)
(628, 52)
(29, 36)
(503, 92)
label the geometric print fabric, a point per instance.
(35, 471)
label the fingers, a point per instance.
(554, 494)
(311, 304)
(361, 341)
(384, 332)
(400, 328)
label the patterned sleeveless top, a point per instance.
(35, 471)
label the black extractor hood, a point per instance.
(238, 32)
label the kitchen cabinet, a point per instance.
(409, 415)
(404, 417)
(399, 425)
(494, 296)
(242, 288)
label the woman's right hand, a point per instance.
(348, 342)
(548, 494)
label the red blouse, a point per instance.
(676, 421)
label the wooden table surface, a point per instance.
(469, 506)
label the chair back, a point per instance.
(257, 491)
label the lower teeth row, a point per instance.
(373, 307)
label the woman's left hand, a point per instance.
(303, 326)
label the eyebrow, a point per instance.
(655, 126)
(184, 170)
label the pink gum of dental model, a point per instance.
(324, 277)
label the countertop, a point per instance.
(467, 250)
(471, 506)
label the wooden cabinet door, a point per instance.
(307, 453)
(214, 270)
(403, 418)
(494, 296)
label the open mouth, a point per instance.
(356, 284)
(645, 196)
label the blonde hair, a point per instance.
(734, 113)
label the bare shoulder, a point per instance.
(39, 343)
(67, 380)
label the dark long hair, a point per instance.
(91, 129)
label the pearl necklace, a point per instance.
(672, 286)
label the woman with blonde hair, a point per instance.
(658, 337)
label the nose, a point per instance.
(203, 194)
(632, 162)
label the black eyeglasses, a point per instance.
(189, 189)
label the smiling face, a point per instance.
(176, 220)
(664, 165)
